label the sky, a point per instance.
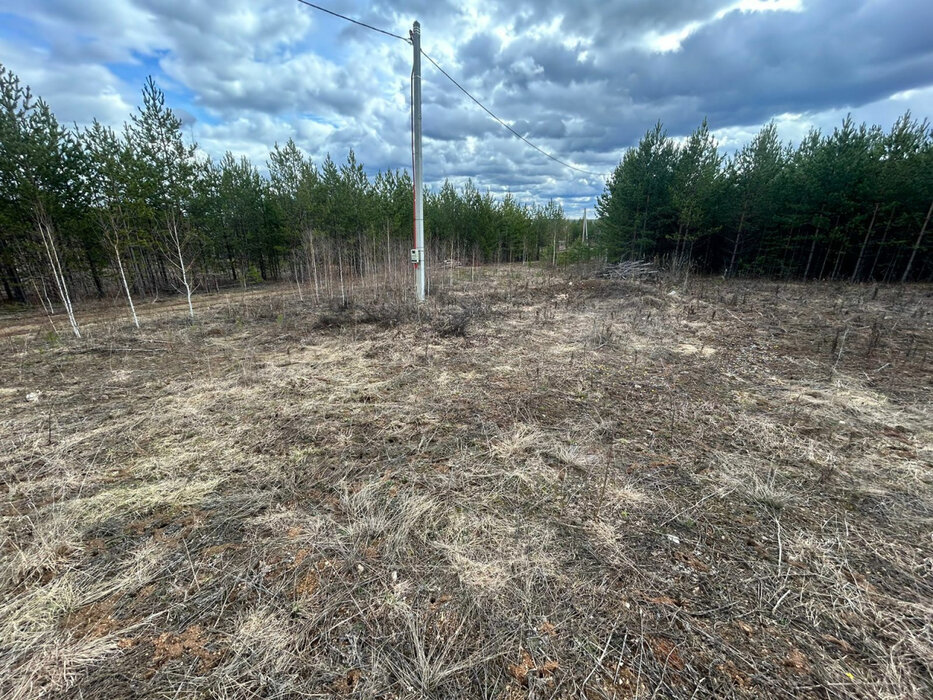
(582, 80)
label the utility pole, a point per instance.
(584, 224)
(417, 253)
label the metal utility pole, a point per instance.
(584, 224)
(417, 253)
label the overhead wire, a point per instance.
(514, 133)
(459, 86)
(354, 21)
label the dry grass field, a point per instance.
(535, 486)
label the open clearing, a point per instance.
(534, 487)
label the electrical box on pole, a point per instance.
(417, 253)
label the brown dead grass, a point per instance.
(535, 486)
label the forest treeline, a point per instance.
(94, 211)
(853, 204)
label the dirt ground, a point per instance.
(535, 486)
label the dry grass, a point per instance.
(535, 486)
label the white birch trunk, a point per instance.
(343, 290)
(176, 238)
(126, 287)
(317, 284)
(43, 298)
(296, 269)
(52, 252)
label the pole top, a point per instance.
(416, 27)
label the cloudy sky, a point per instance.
(584, 80)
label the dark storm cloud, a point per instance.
(456, 123)
(479, 54)
(551, 127)
(742, 68)
(749, 66)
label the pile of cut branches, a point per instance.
(628, 270)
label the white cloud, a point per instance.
(582, 82)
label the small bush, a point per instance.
(457, 323)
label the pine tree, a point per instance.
(164, 173)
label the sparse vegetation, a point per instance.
(533, 486)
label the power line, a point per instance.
(451, 79)
(350, 19)
(515, 133)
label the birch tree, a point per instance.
(39, 174)
(163, 174)
(108, 168)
